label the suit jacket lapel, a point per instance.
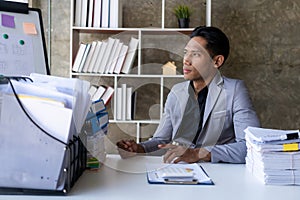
(214, 90)
(190, 118)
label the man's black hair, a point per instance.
(217, 41)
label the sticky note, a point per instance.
(290, 147)
(8, 21)
(29, 28)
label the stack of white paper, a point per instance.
(59, 105)
(273, 155)
(38, 120)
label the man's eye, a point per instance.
(196, 54)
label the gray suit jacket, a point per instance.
(228, 111)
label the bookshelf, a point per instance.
(156, 46)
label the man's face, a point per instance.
(197, 63)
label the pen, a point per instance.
(274, 137)
(290, 136)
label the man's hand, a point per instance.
(178, 153)
(129, 148)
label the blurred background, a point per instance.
(264, 37)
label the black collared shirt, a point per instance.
(202, 95)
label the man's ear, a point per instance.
(218, 60)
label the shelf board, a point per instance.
(118, 30)
(135, 121)
(129, 75)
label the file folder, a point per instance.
(33, 161)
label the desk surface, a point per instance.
(126, 179)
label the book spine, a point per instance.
(78, 57)
(132, 49)
(121, 59)
(97, 67)
(97, 14)
(115, 15)
(114, 58)
(123, 101)
(119, 103)
(89, 57)
(84, 13)
(86, 52)
(78, 12)
(105, 14)
(128, 103)
(90, 13)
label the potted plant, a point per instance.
(183, 13)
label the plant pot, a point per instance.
(183, 22)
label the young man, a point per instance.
(204, 117)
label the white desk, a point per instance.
(129, 182)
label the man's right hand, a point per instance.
(129, 148)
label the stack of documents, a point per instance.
(273, 155)
(41, 118)
(59, 105)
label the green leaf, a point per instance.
(182, 11)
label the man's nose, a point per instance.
(186, 60)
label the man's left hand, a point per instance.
(179, 153)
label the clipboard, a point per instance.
(156, 174)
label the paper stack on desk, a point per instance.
(273, 155)
(39, 124)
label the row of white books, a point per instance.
(106, 57)
(273, 155)
(125, 103)
(98, 13)
(101, 92)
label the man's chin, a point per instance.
(186, 77)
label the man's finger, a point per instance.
(169, 156)
(178, 159)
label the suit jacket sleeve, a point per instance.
(163, 133)
(243, 115)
